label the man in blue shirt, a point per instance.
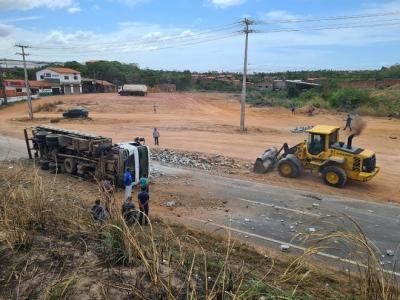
(128, 183)
(144, 199)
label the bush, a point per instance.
(349, 98)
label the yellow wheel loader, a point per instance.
(336, 161)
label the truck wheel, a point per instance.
(52, 140)
(334, 176)
(288, 168)
(40, 137)
(70, 165)
(44, 164)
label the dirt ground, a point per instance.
(208, 122)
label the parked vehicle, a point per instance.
(86, 155)
(133, 90)
(76, 113)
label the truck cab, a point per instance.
(137, 159)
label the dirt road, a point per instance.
(260, 214)
(207, 122)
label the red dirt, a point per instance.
(208, 122)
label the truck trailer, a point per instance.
(133, 90)
(88, 156)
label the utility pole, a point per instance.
(28, 91)
(247, 30)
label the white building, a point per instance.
(69, 79)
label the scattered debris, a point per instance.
(301, 129)
(311, 230)
(246, 220)
(315, 205)
(389, 252)
(285, 248)
(170, 203)
(370, 211)
(393, 137)
(195, 160)
(292, 228)
(312, 197)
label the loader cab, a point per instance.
(320, 138)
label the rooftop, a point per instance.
(323, 129)
(64, 70)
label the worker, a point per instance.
(128, 183)
(156, 136)
(97, 211)
(129, 212)
(293, 108)
(348, 120)
(144, 182)
(144, 199)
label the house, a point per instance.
(15, 89)
(165, 88)
(97, 86)
(68, 79)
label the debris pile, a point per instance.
(196, 160)
(301, 129)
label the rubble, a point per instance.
(196, 160)
(285, 248)
(170, 203)
(301, 129)
(389, 252)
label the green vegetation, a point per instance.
(381, 102)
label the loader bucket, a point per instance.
(266, 162)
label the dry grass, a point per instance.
(51, 249)
(49, 107)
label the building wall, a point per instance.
(64, 78)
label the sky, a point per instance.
(205, 35)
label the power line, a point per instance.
(144, 41)
(329, 18)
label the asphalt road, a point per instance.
(270, 215)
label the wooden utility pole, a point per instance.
(28, 91)
(247, 23)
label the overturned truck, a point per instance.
(86, 155)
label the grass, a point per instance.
(50, 248)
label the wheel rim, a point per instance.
(286, 169)
(332, 177)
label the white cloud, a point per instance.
(225, 3)
(132, 3)
(30, 4)
(74, 9)
(5, 30)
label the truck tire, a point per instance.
(44, 165)
(334, 176)
(287, 168)
(53, 168)
(52, 140)
(40, 137)
(296, 161)
(70, 165)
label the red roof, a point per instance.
(64, 70)
(41, 84)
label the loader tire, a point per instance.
(287, 168)
(334, 176)
(70, 165)
(296, 161)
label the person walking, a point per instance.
(128, 181)
(129, 212)
(97, 211)
(348, 120)
(293, 109)
(156, 136)
(144, 199)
